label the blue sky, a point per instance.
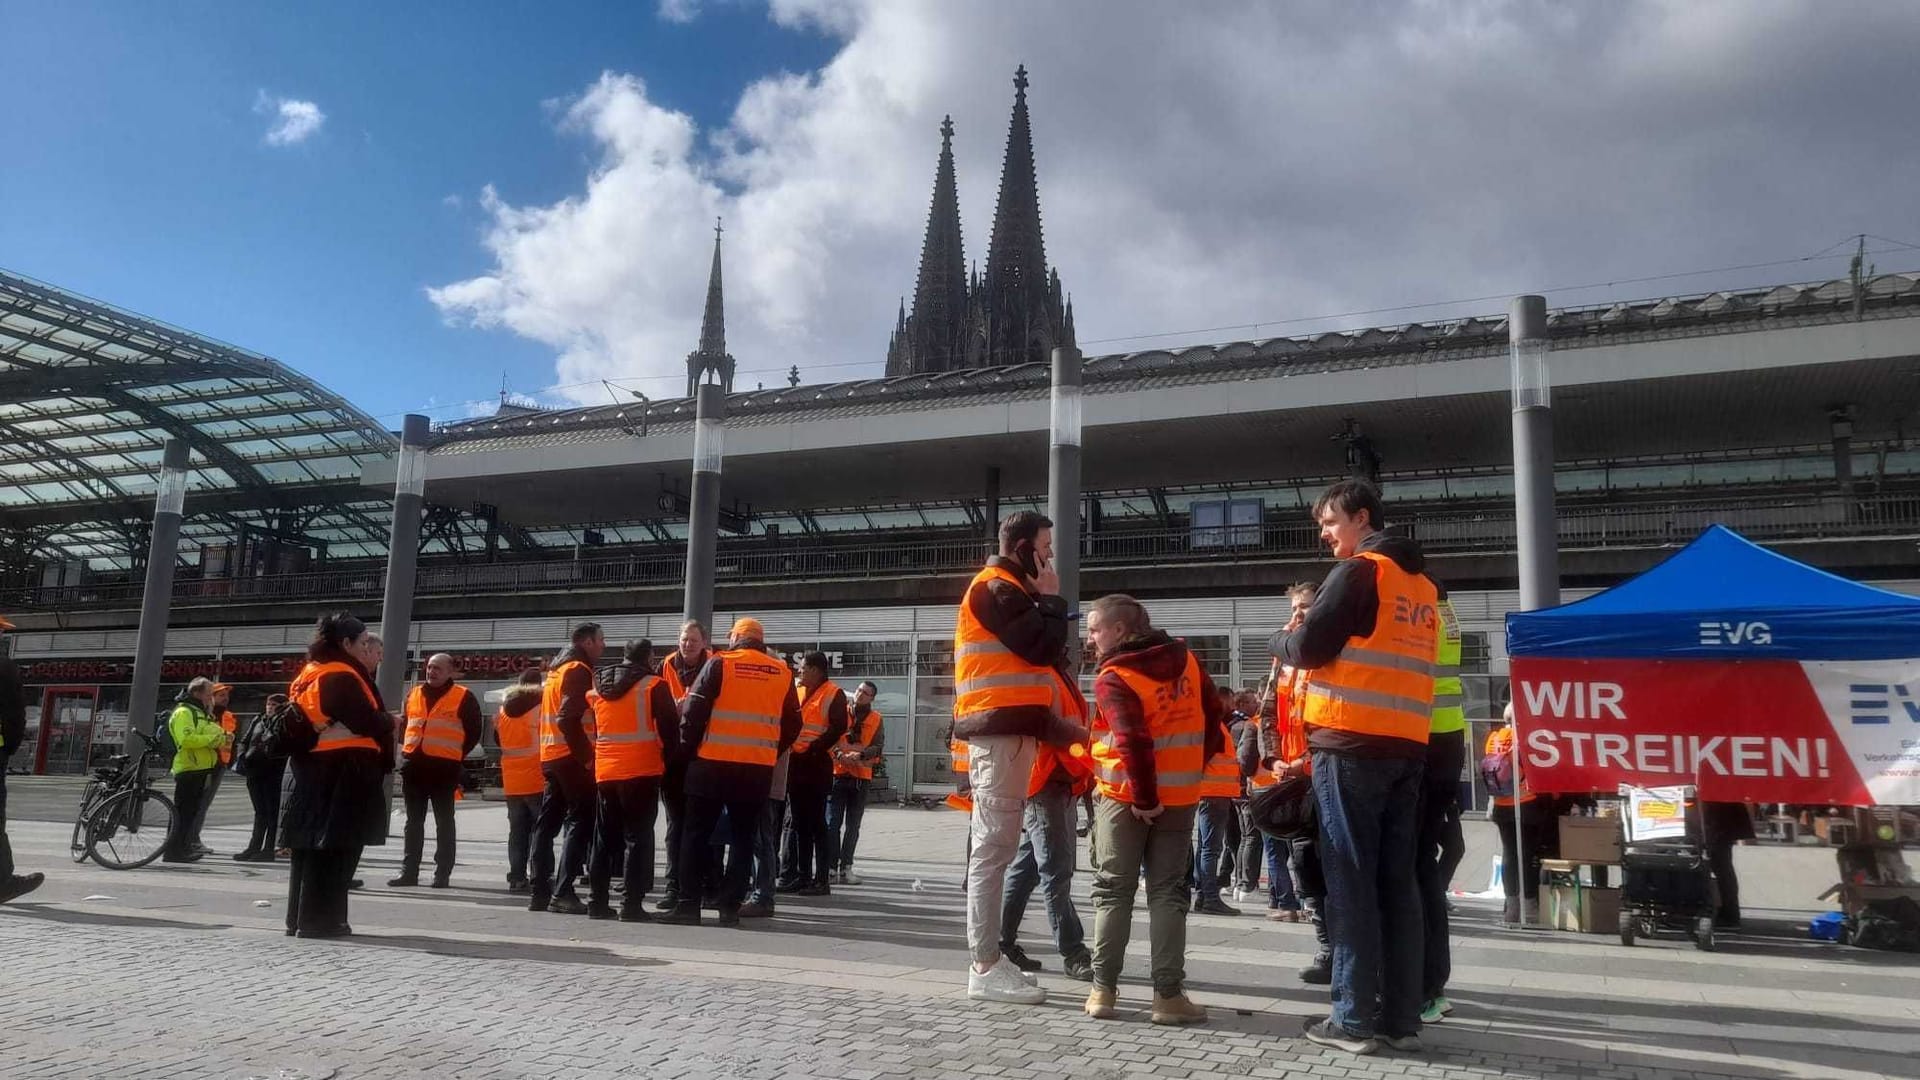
(137, 170)
(1251, 173)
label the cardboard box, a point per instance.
(1583, 909)
(1590, 839)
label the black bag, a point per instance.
(1286, 810)
(284, 732)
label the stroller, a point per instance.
(1667, 885)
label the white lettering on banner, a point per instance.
(1735, 633)
(1679, 755)
(1587, 701)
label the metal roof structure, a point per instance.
(1895, 294)
(88, 393)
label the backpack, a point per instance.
(284, 732)
(1496, 771)
(163, 743)
(1286, 810)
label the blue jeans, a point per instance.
(766, 845)
(1048, 846)
(1369, 821)
(844, 814)
(1280, 894)
(1212, 817)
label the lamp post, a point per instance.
(703, 512)
(163, 548)
(403, 558)
(1063, 473)
(1536, 531)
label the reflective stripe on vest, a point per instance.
(1449, 697)
(519, 754)
(436, 731)
(305, 692)
(229, 723)
(1176, 719)
(813, 716)
(986, 674)
(1222, 778)
(745, 724)
(859, 737)
(553, 742)
(1076, 760)
(1382, 685)
(626, 738)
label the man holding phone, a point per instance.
(1012, 632)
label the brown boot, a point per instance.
(1100, 1004)
(1178, 1009)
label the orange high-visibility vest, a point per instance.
(1383, 684)
(1076, 759)
(553, 743)
(627, 736)
(1222, 777)
(1289, 689)
(986, 674)
(519, 754)
(1500, 741)
(1177, 720)
(859, 737)
(962, 765)
(229, 723)
(672, 674)
(813, 716)
(305, 692)
(744, 726)
(436, 730)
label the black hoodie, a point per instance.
(618, 681)
(1346, 607)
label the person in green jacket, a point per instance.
(197, 740)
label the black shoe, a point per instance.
(682, 915)
(634, 913)
(667, 903)
(539, 902)
(201, 849)
(788, 887)
(602, 912)
(1019, 958)
(710, 900)
(1213, 905)
(518, 886)
(567, 904)
(19, 885)
(357, 883)
(248, 855)
(1079, 968)
(1722, 923)
(404, 881)
(441, 881)
(190, 858)
(342, 930)
(756, 910)
(729, 917)
(1318, 973)
(818, 888)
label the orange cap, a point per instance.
(745, 629)
(220, 686)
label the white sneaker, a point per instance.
(1003, 983)
(848, 877)
(1239, 894)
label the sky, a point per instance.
(418, 204)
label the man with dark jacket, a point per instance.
(566, 760)
(13, 731)
(442, 727)
(823, 720)
(1369, 642)
(636, 731)
(682, 667)
(1010, 635)
(740, 715)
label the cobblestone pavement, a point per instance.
(180, 972)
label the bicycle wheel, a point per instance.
(130, 830)
(89, 802)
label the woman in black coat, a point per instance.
(337, 806)
(265, 773)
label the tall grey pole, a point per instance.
(1536, 530)
(703, 517)
(1063, 472)
(403, 560)
(164, 547)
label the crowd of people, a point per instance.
(764, 777)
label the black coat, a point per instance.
(338, 800)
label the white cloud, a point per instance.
(1262, 163)
(295, 121)
(679, 11)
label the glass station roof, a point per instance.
(89, 392)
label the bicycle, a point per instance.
(123, 822)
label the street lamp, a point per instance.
(703, 517)
(1063, 472)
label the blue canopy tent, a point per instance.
(1724, 597)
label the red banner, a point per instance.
(1752, 731)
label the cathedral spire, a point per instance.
(712, 355)
(936, 329)
(1022, 328)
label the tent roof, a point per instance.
(1725, 597)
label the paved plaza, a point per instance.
(184, 972)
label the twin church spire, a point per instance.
(1017, 313)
